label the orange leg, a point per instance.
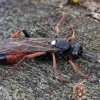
(16, 34)
(26, 33)
(77, 70)
(30, 56)
(58, 24)
(55, 69)
(73, 35)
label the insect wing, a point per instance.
(31, 45)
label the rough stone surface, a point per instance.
(35, 79)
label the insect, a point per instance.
(20, 49)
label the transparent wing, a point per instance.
(18, 45)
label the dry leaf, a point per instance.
(93, 6)
(79, 92)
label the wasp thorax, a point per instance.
(62, 44)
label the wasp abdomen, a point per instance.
(4, 59)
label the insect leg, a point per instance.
(55, 69)
(77, 70)
(30, 56)
(26, 33)
(95, 80)
(58, 24)
(73, 35)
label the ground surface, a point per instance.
(35, 79)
